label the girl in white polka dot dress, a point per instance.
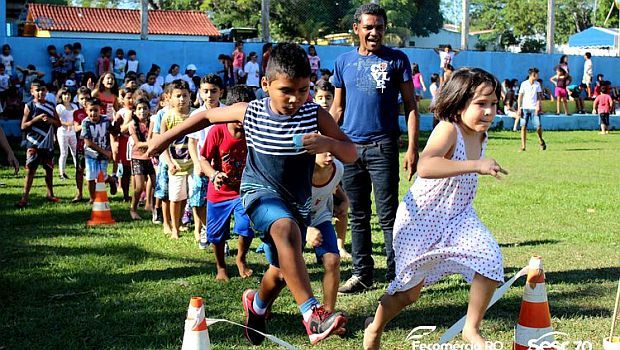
(437, 231)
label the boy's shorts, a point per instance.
(198, 186)
(177, 187)
(529, 115)
(161, 182)
(264, 209)
(142, 167)
(603, 119)
(218, 220)
(36, 157)
(330, 243)
(94, 166)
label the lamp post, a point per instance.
(465, 25)
(550, 24)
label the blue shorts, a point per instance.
(198, 191)
(94, 166)
(264, 209)
(330, 242)
(161, 182)
(528, 115)
(218, 220)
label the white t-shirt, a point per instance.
(201, 135)
(445, 58)
(132, 66)
(4, 82)
(66, 116)
(8, 63)
(587, 68)
(322, 197)
(315, 62)
(253, 72)
(190, 82)
(155, 91)
(433, 88)
(170, 78)
(530, 94)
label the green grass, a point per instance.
(548, 107)
(66, 286)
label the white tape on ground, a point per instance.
(276, 340)
(456, 328)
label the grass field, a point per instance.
(127, 286)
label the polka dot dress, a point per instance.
(437, 232)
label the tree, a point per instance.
(601, 14)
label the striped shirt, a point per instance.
(40, 134)
(274, 164)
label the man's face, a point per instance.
(370, 30)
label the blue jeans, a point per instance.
(376, 169)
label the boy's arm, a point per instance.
(91, 144)
(344, 201)
(192, 144)
(337, 108)
(25, 123)
(331, 139)
(166, 153)
(413, 127)
(196, 122)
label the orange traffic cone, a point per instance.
(534, 326)
(101, 214)
(196, 336)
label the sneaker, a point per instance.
(354, 285)
(252, 319)
(113, 184)
(543, 146)
(187, 218)
(322, 324)
(202, 242)
(158, 216)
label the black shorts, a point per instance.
(36, 157)
(603, 119)
(142, 167)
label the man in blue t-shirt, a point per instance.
(368, 81)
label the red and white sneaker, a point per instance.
(252, 319)
(322, 324)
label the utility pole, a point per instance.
(265, 21)
(144, 20)
(2, 19)
(465, 25)
(550, 24)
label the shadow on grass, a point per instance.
(529, 243)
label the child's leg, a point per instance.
(342, 223)
(79, 176)
(200, 214)
(165, 208)
(557, 105)
(49, 180)
(176, 210)
(178, 194)
(565, 102)
(389, 307)
(91, 190)
(63, 145)
(331, 280)
(148, 205)
(480, 294)
(126, 181)
(244, 245)
(30, 172)
(138, 188)
(242, 228)
(220, 261)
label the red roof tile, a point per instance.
(104, 20)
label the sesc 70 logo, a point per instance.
(540, 344)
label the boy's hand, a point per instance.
(315, 143)
(314, 236)
(155, 146)
(174, 169)
(219, 179)
(490, 167)
(108, 154)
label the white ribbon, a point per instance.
(456, 328)
(276, 340)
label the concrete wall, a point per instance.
(444, 37)
(204, 55)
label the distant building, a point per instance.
(55, 21)
(450, 34)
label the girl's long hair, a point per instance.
(99, 88)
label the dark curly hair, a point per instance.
(369, 9)
(459, 89)
(289, 60)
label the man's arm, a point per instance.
(337, 108)
(413, 127)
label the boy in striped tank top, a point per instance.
(276, 186)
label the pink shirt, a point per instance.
(603, 103)
(238, 58)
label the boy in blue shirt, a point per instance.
(276, 187)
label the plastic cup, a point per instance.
(298, 141)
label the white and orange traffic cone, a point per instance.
(534, 326)
(101, 214)
(196, 336)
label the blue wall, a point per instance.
(204, 55)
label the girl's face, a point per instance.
(480, 110)
(66, 97)
(108, 81)
(128, 100)
(175, 70)
(142, 111)
(312, 51)
(6, 51)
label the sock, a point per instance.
(259, 306)
(306, 307)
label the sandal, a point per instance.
(543, 146)
(21, 204)
(76, 199)
(53, 199)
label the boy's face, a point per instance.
(132, 57)
(324, 99)
(534, 76)
(52, 51)
(6, 51)
(38, 92)
(82, 99)
(76, 51)
(92, 111)
(67, 50)
(211, 94)
(179, 100)
(287, 94)
(324, 159)
(151, 80)
(119, 54)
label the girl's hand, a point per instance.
(490, 167)
(314, 236)
(89, 84)
(315, 143)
